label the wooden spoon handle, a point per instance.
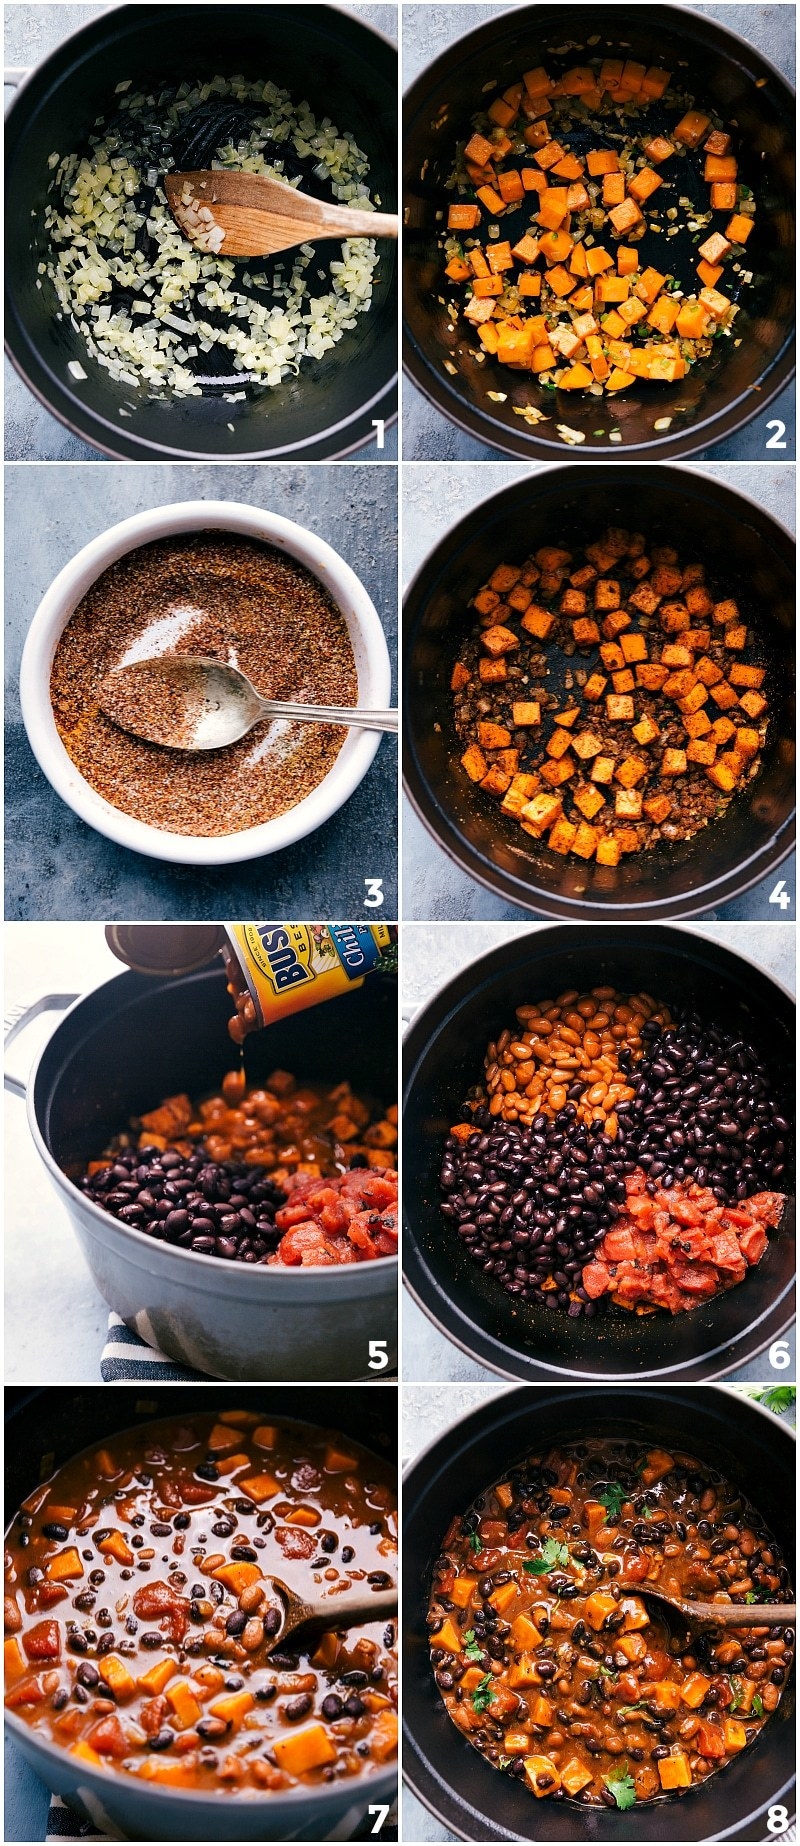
(363, 224)
(358, 1605)
(743, 1615)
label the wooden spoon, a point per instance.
(696, 1615)
(246, 214)
(346, 1610)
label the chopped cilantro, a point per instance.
(738, 1694)
(552, 1554)
(504, 1762)
(472, 1651)
(757, 1707)
(751, 1596)
(483, 1694)
(622, 1789)
(475, 1542)
(612, 1498)
(627, 1711)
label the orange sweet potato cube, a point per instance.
(657, 808)
(673, 763)
(609, 851)
(585, 841)
(490, 737)
(526, 711)
(561, 837)
(602, 769)
(474, 761)
(590, 801)
(538, 622)
(628, 804)
(493, 672)
(619, 708)
(499, 640)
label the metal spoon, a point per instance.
(250, 214)
(188, 702)
(361, 1604)
(679, 1614)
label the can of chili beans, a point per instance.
(273, 969)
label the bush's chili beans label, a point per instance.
(277, 969)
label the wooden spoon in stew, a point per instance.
(303, 1619)
(680, 1615)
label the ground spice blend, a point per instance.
(232, 599)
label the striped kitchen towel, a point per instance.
(63, 1824)
(128, 1359)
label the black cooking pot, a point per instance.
(715, 398)
(444, 1053)
(45, 1429)
(743, 547)
(749, 1446)
(346, 70)
(119, 1052)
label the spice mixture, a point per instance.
(231, 599)
(663, 720)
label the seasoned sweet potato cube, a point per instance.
(586, 632)
(739, 228)
(615, 622)
(696, 723)
(504, 577)
(538, 622)
(609, 851)
(748, 743)
(646, 732)
(679, 684)
(558, 744)
(542, 812)
(700, 750)
(674, 618)
(606, 594)
(631, 770)
(590, 801)
(619, 708)
(595, 687)
(627, 216)
(554, 773)
(459, 677)
(566, 718)
(526, 711)
(651, 674)
(707, 671)
(725, 612)
(657, 808)
(658, 149)
(499, 640)
(561, 837)
(722, 776)
(645, 598)
(715, 247)
(643, 184)
(585, 841)
(691, 128)
(750, 677)
(493, 736)
(474, 761)
(493, 672)
(697, 639)
(496, 780)
(634, 648)
(612, 656)
(623, 681)
(736, 637)
(602, 769)
(693, 700)
(753, 703)
(485, 601)
(628, 804)
(586, 745)
(724, 696)
(573, 602)
(673, 763)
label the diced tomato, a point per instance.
(595, 1280)
(108, 1737)
(753, 1243)
(160, 1602)
(43, 1642)
(295, 1542)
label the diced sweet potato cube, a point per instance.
(64, 1566)
(715, 247)
(495, 782)
(526, 711)
(595, 687)
(691, 128)
(602, 769)
(623, 681)
(116, 1675)
(627, 216)
(474, 761)
(585, 841)
(674, 1771)
(542, 812)
(657, 808)
(542, 1774)
(556, 773)
(700, 751)
(238, 1576)
(586, 632)
(723, 195)
(673, 763)
(724, 696)
(631, 770)
(538, 622)
(643, 184)
(615, 621)
(628, 804)
(491, 737)
(310, 1747)
(645, 732)
(739, 228)
(463, 217)
(561, 837)
(619, 708)
(750, 677)
(736, 637)
(747, 742)
(693, 700)
(658, 149)
(753, 704)
(634, 647)
(707, 671)
(696, 723)
(586, 745)
(602, 160)
(590, 801)
(499, 640)
(609, 851)
(493, 672)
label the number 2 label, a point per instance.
(777, 440)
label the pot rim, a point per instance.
(344, 1281)
(739, 879)
(668, 1375)
(58, 605)
(734, 416)
(135, 449)
(424, 1454)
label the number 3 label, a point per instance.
(374, 897)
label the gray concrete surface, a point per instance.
(432, 956)
(433, 500)
(58, 867)
(427, 32)
(31, 33)
(426, 1415)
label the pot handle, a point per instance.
(14, 75)
(21, 1016)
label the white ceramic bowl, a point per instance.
(70, 586)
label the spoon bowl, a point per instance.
(681, 1616)
(342, 1609)
(253, 214)
(191, 702)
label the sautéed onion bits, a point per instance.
(164, 318)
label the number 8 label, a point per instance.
(777, 1819)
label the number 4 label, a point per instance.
(780, 895)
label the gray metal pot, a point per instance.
(57, 1423)
(115, 1054)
